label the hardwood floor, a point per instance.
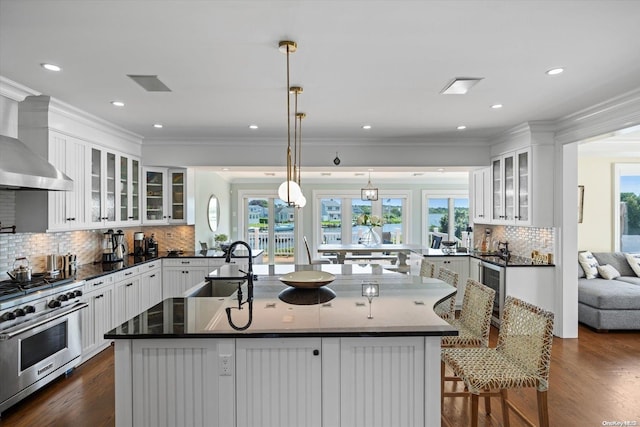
(593, 379)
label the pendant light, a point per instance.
(301, 201)
(289, 190)
(369, 192)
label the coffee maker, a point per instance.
(139, 243)
(151, 245)
(119, 245)
(107, 247)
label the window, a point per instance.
(627, 207)
(447, 217)
(270, 226)
(337, 213)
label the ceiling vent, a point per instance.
(149, 83)
(460, 85)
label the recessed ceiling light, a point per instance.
(367, 127)
(460, 85)
(418, 174)
(555, 71)
(225, 169)
(158, 125)
(440, 169)
(117, 103)
(253, 126)
(461, 127)
(51, 67)
(496, 106)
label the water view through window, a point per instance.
(629, 212)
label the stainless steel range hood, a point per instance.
(22, 169)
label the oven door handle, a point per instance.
(35, 324)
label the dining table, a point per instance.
(358, 251)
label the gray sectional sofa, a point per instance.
(610, 304)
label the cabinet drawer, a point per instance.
(149, 266)
(98, 283)
(126, 274)
(185, 262)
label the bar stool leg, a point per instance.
(505, 407)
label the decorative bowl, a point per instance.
(307, 279)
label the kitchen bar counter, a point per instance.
(404, 308)
(317, 360)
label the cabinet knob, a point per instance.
(316, 352)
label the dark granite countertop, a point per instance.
(214, 253)
(404, 308)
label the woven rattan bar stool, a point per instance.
(427, 269)
(521, 359)
(447, 309)
(474, 323)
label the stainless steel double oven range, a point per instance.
(40, 336)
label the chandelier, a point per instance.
(290, 190)
(369, 192)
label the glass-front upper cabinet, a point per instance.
(497, 188)
(129, 185)
(103, 186)
(177, 180)
(154, 206)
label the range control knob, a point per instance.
(7, 316)
(71, 295)
(19, 312)
(54, 303)
(29, 309)
(77, 293)
(63, 297)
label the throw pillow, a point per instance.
(608, 271)
(634, 262)
(589, 264)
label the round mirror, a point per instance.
(213, 212)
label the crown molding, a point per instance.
(14, 90)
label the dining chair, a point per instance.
(447, 309)
(313, 261)
(521, 359)
(427, 268)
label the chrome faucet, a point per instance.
(249, 277)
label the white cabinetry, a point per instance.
(128, 212)
(522, 187)
(79, 147)
(99, 316)
(150, 284)
(127, 292)
(180, 274)
(283, 381)
(115, 298)
(41, 211)
(278, 382)
(481, 195)
(168, 196)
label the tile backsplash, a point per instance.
(522, 240)
(87, 245)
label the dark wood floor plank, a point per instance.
(593, 379)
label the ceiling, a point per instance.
(381, 63)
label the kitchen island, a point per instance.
(318, 359)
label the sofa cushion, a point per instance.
(609, 294)
(615, 259)
(634, 263)
(630, 279)
(589, 264)
(608, 272)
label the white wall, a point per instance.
(596, 232)
(208, 183)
